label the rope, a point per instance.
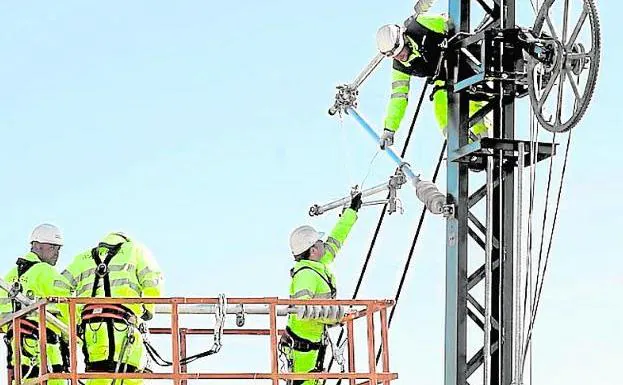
(527, 292)
(369, 169)
(535, 122)
(540, 260)
(411, 250)
(216, 347)
(381, 218)
(528, 285)
(539, 283)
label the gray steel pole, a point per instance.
(455, 372)
(495, 315)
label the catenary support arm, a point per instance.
(426, 191)
(395, 182)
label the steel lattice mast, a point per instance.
(495, 62)
(500, 74)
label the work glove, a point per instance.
(387, 139)
(355, 202)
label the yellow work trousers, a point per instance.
(127, 345)
(30, 359)
(440, 107)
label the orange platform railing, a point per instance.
(356, 310)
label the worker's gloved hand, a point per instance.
(147, 315)
(355, 202)
(387, 139)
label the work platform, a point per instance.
(270, 308)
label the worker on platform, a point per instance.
(111, 334)
(416, 49)
(305, 341)
(34, 276)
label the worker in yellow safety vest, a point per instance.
(111, 334)
(416, 48)
(304, 342)
(34, 276)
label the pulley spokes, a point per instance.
(561, 90)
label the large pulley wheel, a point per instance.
(561, 89)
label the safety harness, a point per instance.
(30, 329)
(332, 287)
(23, 266)
(291, 341)
(300, 344)
(109, 315)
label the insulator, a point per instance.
(428, 193)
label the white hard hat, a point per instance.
(47, 233)
(302, 238)
(390, 39)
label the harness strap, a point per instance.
(101, 313)
(108, 367)
(34, 371)
(102, 272)
(23, 266)
(30, 329)
(436, 88)
(327, 281)
(298, 343)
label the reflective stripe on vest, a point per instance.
(327, 281)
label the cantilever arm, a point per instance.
(426, 191)
(395, 182)
(367, 70)
(346, 95)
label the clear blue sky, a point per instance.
(200, 128)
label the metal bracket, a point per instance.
(102, 270)
(344, 98)
(449, 211)
(346, 95)
(519, 45)
(394, 183)
(240, 317)
(16, 289)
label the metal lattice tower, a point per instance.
(493, 63)
(500, 74)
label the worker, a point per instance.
(304, 342)
(111, 334)
(416, 49)
(34, 276)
